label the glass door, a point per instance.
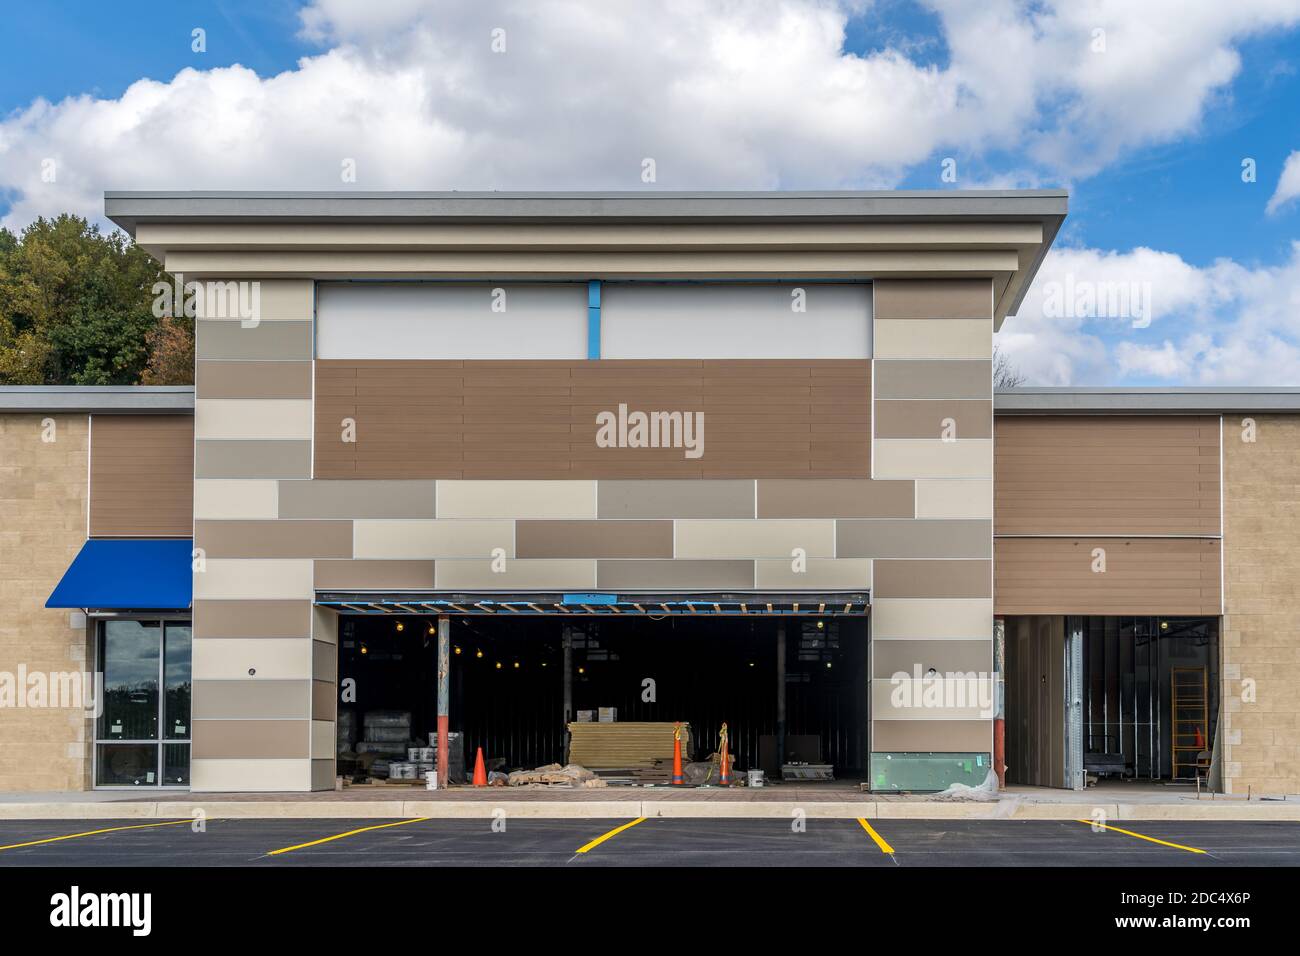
(142, 737)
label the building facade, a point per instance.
(769, 411)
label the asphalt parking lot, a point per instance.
(648, 842)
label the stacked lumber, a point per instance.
(624, 746)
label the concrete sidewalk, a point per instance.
(1115, 802)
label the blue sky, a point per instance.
(1148, 133)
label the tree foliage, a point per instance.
(76, 309)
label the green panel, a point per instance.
(927, 772)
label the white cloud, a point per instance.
(720, 93)
(1224, 324)
(1288, 184)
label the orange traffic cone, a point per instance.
(677, 755)
(480, 770)
(1200, 739)
(724, 778)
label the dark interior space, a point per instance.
(507, 681)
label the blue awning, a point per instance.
(134, 574)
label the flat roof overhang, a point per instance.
(601, 604)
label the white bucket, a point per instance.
(431, 780)
(755, 778)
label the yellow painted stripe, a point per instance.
(73, 836)
(340, 836)
(612, 833)
(880, 841)
(1176, 846)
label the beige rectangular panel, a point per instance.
(543, 574)
(286, 299)
(820, 573)
(322, 774)
(232, 498)
(357, 499)
(917, 458)
(251, 739)
(374, 575)
(628, 575)
(324, 699)
(259, 419)
(252, 618)
(954, 498)
(274, 539)
(613, 538)
(1107, 475)
(324, 625)
(1141, 576)
(934, 418)
(270, 658)
(691, 498)
(252, 579)
(433, 539)
(323, 744)
(964, 619)
(252, 699)
(254, 301)
(921, 379)
(964, 698)
(922, 339)
(902, 538)
(252, 380)
(250, 776)
(517, 499)
(141, 475)
(252, 459)
(916, 657)
(933, 579)
(933, 298)
(776, 538)
(834, 498)
(268, 341)
(324, 661)
(937, 736)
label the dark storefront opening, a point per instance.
(507, 683)
(1110, 697)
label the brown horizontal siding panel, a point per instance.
(258, 618)
(521, 419)
(835, 498)
(373, 575)
(931, 578)
(288, 538)
(1112, 475)
(933, 298)
(1142, 576)
(251, 738)
(142, 475)
(971, 418)
(610, 538)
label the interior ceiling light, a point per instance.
(401, 626)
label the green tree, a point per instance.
(75, 305)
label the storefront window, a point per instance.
(146, 666)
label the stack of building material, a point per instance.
(630, 746)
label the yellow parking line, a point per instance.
(1176, 846)
(340, 836)
(73, 836)
(880, 841)
(612, 833)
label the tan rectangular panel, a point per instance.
(252, 459)
(673, 575)
(916, 657)
(742, 538)
(970, 418)
(141, 475)
(541, 574)
(938, 378)
(954, 619)
(357, 499)
(251, 738)
(933, 298)
(252, 699)
(938, 736)
(250, 776)
(373, 575)
(902, 538)
(274, 539)
(252, 619)
(835, 498)
(265, 341)
(1142, 576)
(778, 574)
(612, 538)
(919, 339)
(933, 579)
(716, 498)
(324, 699)
(252, 380)
(1106, 475)
(517, 499)
(538, 419)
